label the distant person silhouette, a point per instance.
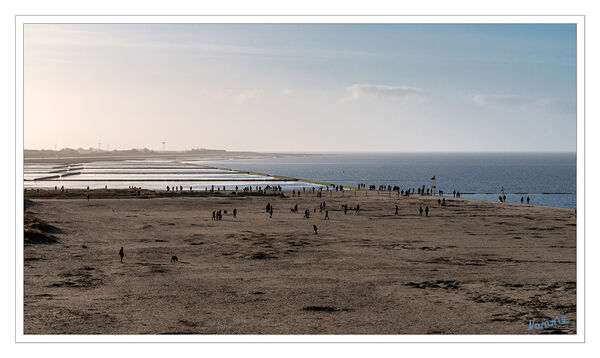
(234, 212)
(326, 214)
(396, 213)
(427, 211)
(527, 200)
(315, 228)
(420, 211)
(521, 200)
(121, 254)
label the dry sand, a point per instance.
(472, 267)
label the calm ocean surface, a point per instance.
(547, 178)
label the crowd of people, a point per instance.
(217, 215)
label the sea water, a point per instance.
(547, 178)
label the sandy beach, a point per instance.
(470, 267)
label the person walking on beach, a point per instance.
(521, 200)
(121, 254)
(427, 211)
(234, 212)
(527, 200)
(326, 214)
(213, 217)
(268, 207)
(396, 213)
(315, 228)
(357, 208)
(420, 211)
(270, 212)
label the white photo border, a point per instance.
(21, 20)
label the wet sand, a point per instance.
(471, 267)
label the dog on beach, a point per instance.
(174, 259)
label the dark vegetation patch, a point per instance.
(429, 248)
(262, 256)
(434, 284)
(321, 308)
(187, 323)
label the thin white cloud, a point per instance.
(522, 101)
(76, 36)
(398, 92)
(249, 96)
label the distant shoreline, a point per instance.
(51, 194)
(173, 155)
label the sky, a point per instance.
(301, 87)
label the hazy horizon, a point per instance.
(298, 88)
(318, 152)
